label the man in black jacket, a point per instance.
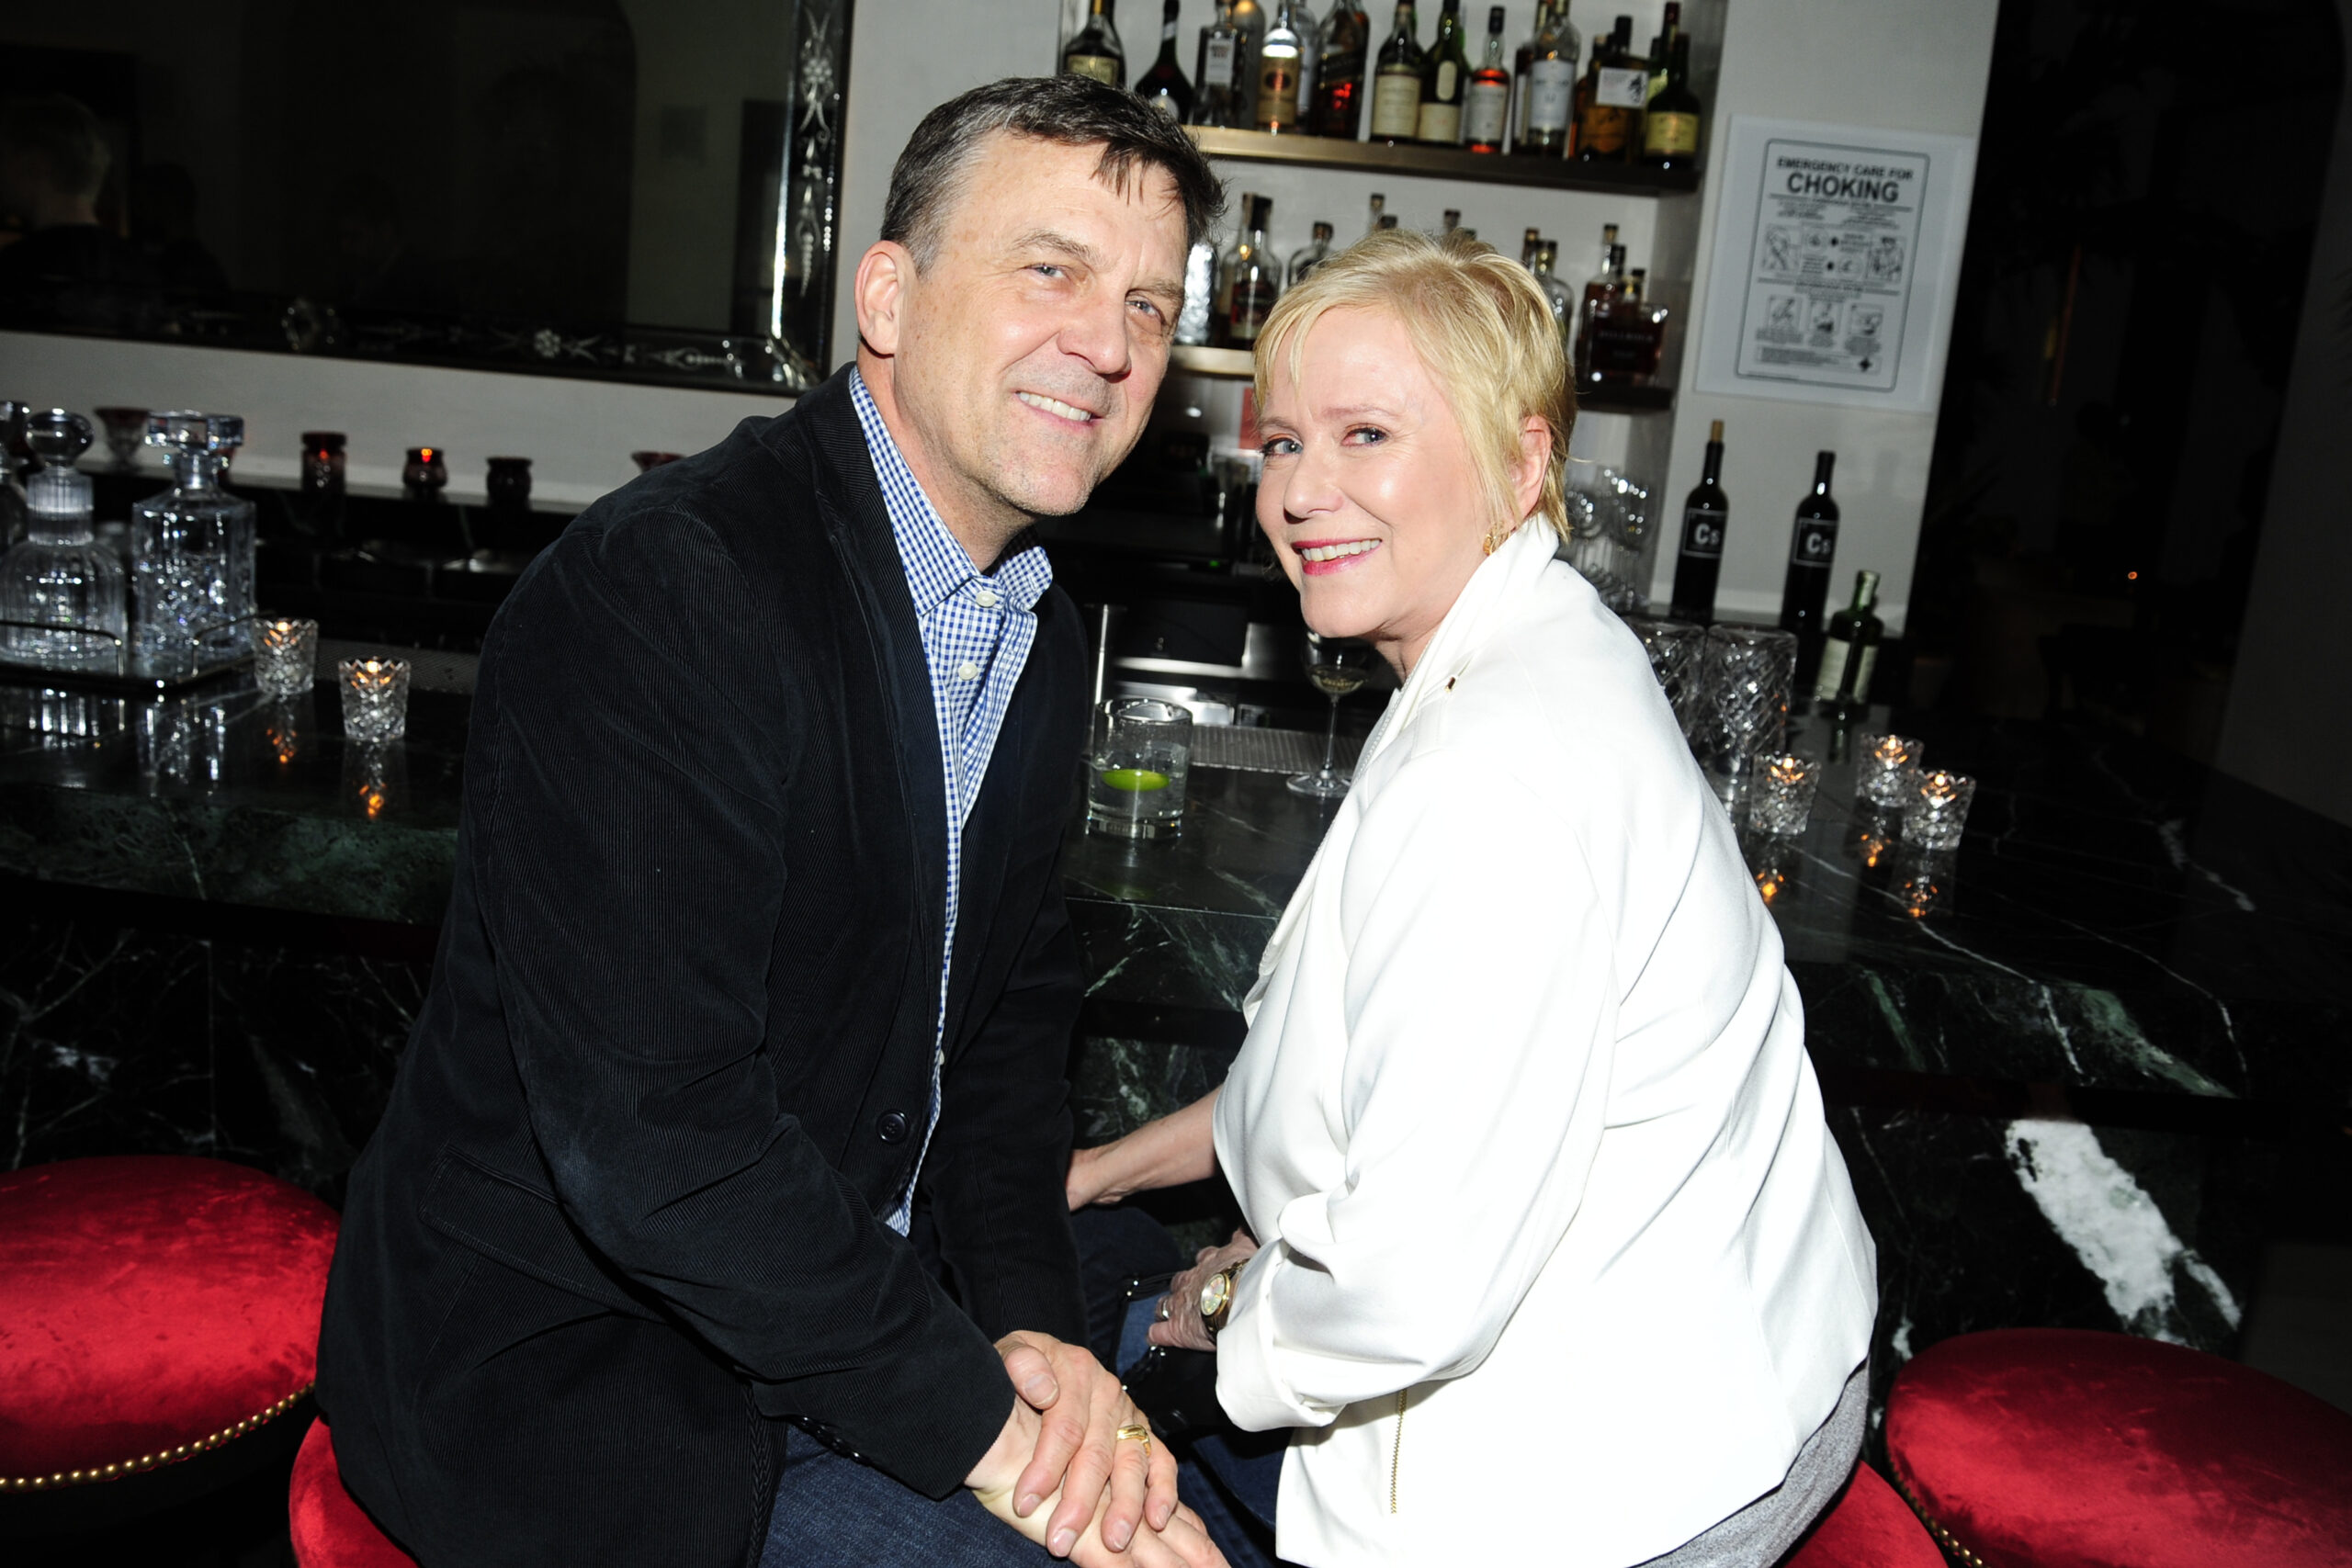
(748, 1022)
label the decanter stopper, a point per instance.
(57, 436)
(186, 432)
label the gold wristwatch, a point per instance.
(1216, 1297)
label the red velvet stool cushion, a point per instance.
(2064, 1449)
(150, 1308)
(1870, 1528)
(330, 1530)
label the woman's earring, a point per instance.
(1495, 537)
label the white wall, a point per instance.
(2290, 698)
(1896, 64)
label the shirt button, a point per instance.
(891, 1126)
(984, 597)
(967, 671)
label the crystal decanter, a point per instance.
(61, 590)
(192, 552)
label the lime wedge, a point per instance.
(1136, 779)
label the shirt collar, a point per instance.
(938, 566)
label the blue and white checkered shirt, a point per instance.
(977, 630)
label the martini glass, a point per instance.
(1336, 666)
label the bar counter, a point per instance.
(2077, 1067)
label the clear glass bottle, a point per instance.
(1312, 254)
(1279, 64)
(192, 551)
(1485, 106)
(12, 457)
(1215, 101)
(1563, 299)
(1253, 273)
(1547, 111)
(61, 590)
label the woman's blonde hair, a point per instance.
(1483, 329)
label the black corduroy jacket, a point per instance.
(622, 1213)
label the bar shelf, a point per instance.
(1234, 365)
(1441, 162)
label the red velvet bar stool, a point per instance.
(330, 1530)
(1869, 1528)
(2064, 1449)
(158, 1316)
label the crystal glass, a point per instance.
(1937, 810)
(1744, 705)
(61, 592)
(1135, 784)
(1780, 791)
(375, 698)
(192, 550)
(126, 431)
(1677, 651)
(1609, 526)
(1886, 767)
(286, 656)
(1336, 666)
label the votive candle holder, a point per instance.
(1886, 767)
(286, 656)
(1780, 792)
(375, 698)
(1937, 811)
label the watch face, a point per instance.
(1215, 1294)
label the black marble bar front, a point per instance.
(2072, 1065)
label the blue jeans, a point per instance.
(1239, 1508)
(832, 1512)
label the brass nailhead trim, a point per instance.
(150, 1461)
(1944, 1538)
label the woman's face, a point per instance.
(1370, 497)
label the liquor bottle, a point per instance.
(61, 592)
(1250, 23)
(1095, 50)
(192, 551)
(1519, 60)
(1215, 101)
(1812, 547)
(1670, 126)
(1625, 339)
(1278, 69)
(1397, 81)
(1850, 653)
(1163, 86)
(1254, 272)
(1701, 558)
(1387, 221)
(1617, 88)
(1563, 299)
(1662, 49)
(1602, 285)
(1378, 204)
(1453, 221)
(1526, 249)
(1312, 254)
(1548, 117)
(1445, 76)
(1485, 107)
(1338, 83)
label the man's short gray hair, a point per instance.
(1075, 111)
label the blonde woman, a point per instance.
(1555, 1259)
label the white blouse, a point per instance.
(1526, 1127)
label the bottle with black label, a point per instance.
(1850, 653)
(1812, 547)
(1701, 558)
(1163, 86)
(1095, 51)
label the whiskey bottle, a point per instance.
(1452, 221)
(1549, 99)
(1338, 83)
(1378, 204)
(1095, 50)
(1849, 652)
(1526, 249)
(1812, 547)
(1216, 102)
(1278, 70)
(1563, 301)
(1485, 107)
(1397, 81)
(1670, 126)
(1701, 558)
(1249, 24)
(1627, 337)
(1255, 274)
(1445, 77)
(1662, 48)
(1312, 254)
(1600, 286)
(1615, 92)
(1163, 86)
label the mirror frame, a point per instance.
(787, 353)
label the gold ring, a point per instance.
(1139, 1433)
(1160, 1313)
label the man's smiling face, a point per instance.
(1024, 357)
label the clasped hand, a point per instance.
(1180, 1326)
(1061, 1475)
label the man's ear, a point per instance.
(884, 274)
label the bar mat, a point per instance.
(1254, 750)
(429, 668)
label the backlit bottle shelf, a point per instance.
(1234, 365)
(1441, 163)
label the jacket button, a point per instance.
(891, 1126)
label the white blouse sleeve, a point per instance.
(1481, 1005)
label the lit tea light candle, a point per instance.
(1937, 811)
(1781, 796)
(375, 698)
(1886, 767)
(286, 656)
